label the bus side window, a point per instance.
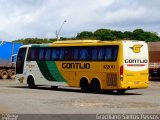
(48, 54)
(34, 54)
(42, 54)
(108, 54)
(69, 54)
(115, 53)
(61, 56)
(94, 54)
(76, 53)
(101, 54)
(83, 54)
(54, 54)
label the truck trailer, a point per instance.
(154, 60)
(8, 51)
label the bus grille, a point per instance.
(111, 79)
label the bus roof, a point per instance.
(89, 41)
(78, 43)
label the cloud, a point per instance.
(41, 18)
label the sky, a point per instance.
(21, 19)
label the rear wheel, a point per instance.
(4, 74)
(120, 92)
(109, 91)
(95, 86)
(85, 86)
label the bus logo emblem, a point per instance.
(136, 48)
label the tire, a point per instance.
(54, 87)
(4, 74)
(109, 91)
(30, 82)
(121, 92)
(85, 88)
(95, 86)
(12, 74)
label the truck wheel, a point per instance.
(4, 74)
(12, 74)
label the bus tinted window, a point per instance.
(101, 54)
(48, 54)
(95, 53)
(42, 52)
(69, 54)
(20, 60)
(61, 56)
(83, 54)
(76, 54)
(33, 54)
(55, 54)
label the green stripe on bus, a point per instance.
(35, 45)
(45, 71)
(50, 71)
(42, 45)
(54, 71)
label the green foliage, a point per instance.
(127, 35)
(35, 40)
(100, 34)
(85, 35)
(118, 35)
(104, 34)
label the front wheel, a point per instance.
(54, 87)
(30, 82)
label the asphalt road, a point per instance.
(18, 99)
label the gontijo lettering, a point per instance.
(75, 65)
(136, 61)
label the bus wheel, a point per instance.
(12, 74)
(54, 87)
(121, 92)
(84, 86)
(4, 74)
(95, 86)
(109, 91)
(30, 82)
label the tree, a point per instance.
(104, 34)
(118, 35)
(138, 34)
(85, 35)
(101, 34)
(127, 35)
